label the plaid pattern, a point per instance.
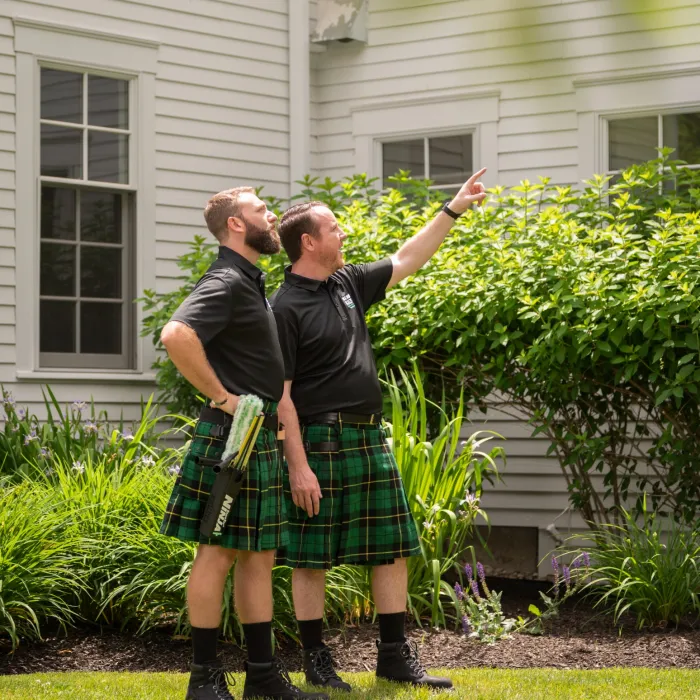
(364, 516)
(257, 520)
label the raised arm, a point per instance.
(306, 492)
(186, 351)
(416, 251)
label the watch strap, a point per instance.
(218, 404)
(450, 212)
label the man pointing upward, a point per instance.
(344, 493)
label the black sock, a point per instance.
(391, 627)
(204, 645)
(311, 632)
(258, 639)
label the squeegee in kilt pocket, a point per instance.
(231, 468)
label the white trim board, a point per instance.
(632, 93)
(38, 43)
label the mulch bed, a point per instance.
(579, 639)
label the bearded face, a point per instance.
(263, 239)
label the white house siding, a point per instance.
(530, 51)
(221, 120)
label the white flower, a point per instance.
(174, 470)
(79, 467)
(147, 461)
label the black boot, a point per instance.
(209, 683)
(399, 661)
(320, 670)
(271, 680)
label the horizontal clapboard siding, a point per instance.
(221, 109)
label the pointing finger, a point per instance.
(476, 176)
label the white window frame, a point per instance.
(659, 115)
(69, 47)
(473, 132)
(445, 114)
(627, 94)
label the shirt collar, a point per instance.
(299, 281)
(240, 262)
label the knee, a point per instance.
(216, 558)
(257, 561)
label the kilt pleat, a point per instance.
(364, 516)
(257, 521)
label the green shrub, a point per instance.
(580, 308)
(647, 567)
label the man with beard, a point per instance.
(345, 498)
(223, 340)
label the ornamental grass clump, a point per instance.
(480, 611)
(647, 567)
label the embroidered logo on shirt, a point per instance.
(347, 300)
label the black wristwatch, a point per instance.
(449, 212)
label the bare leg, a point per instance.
(309, 593)
(205, 588)
(253, 586)
(390, 587)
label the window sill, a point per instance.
(78, 376)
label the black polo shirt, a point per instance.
(228, 311)
(324, 338)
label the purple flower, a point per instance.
(30, 438)
(90, 427)
(465, 624)
(586, 559)
(175, 470)
(468, 571)
(576, 563)
(480, 571)
(555, 565)
(44, 452)
(8, 399)
(475, 589)
(21, 413)
(459, 592)
(567, 577)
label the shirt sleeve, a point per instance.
(288, 333)
(370, 280)
(209, 307)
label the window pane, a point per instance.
(632, 141)
(61, 152)
(450, 159)
(57, 270)
(682, 132)
(58, 213)
(404, 155)
(100, 272)
(57, 326)
(108, 101)
(100, 217)
(107, 157)
(101, 328)
(61, 95)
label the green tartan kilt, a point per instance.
(364, 516)
(257, 520)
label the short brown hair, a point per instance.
(222, 206)
(296, 221)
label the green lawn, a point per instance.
(632, 684)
